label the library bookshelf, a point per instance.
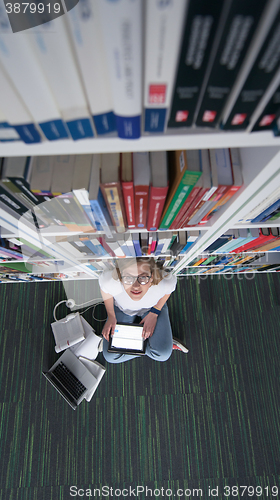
(260, 158)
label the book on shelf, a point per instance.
(89, 49)
(269, 211)
(7, 132)
(261, 207)
(82, 171)
(94, 245)
(212, 196)
(144, 243)
(150, 241)
(258, 69)
(202, 19)
(41, 175)
(158, 188)
(226, 168)
(163, 32)
(129, 244)
(179, 243)
(141, 180)
(203, 190)
(16, 166)
(268, 109)
(195, 164)
(15, 111)
(23, 69)
(137, 244)
(126, 174)
(181, 182)
(62, 174)
(62, 75)
(240, 24)
(122, 26)
(111, 189)
(74, 216)
(100, 213)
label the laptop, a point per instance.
(71, 378)
(127, 339)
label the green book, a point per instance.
(188, 181)
(23, 267)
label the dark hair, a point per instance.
(155, 268)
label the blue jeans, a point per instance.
(159, 345)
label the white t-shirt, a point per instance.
(129, 306)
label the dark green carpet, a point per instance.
(206, 419)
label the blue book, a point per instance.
(136, 243)
(28, 133)
(101, 215)
(54, 130)
(268, 211)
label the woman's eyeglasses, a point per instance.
(129, 280)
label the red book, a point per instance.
(126, 173)
(237, 182)
(106, 247)
(181, 214)
(254, 244)
(158, 188)
(141, 176)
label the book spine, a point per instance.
(128, 198)
(61, 75)
(27, 76)
(199, 31)
(255, 83)
(89, 49)
(100, 221)
(188, 214)
(114, 203)
(16, 112)
(237, 33)
(157, 199)
(141, 196)
(122, 28)
(188, 181)
(176, 224)
(267, 118)
(226, 196)
(7, 132)
(163, 30)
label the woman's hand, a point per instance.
(149, 322)
(109, 326)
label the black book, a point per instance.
(271, 112)
(199, 32)
(179, 243)
(237, 33)
(261, 73)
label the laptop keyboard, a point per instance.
(69, 381)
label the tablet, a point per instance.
(127, 339)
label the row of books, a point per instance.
(204, 64)
(85, 247)
(118, 191)
(268, 210)
(236, 241)
(234, 269)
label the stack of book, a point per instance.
(115, 192)
(239, 250)
(130, 68)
